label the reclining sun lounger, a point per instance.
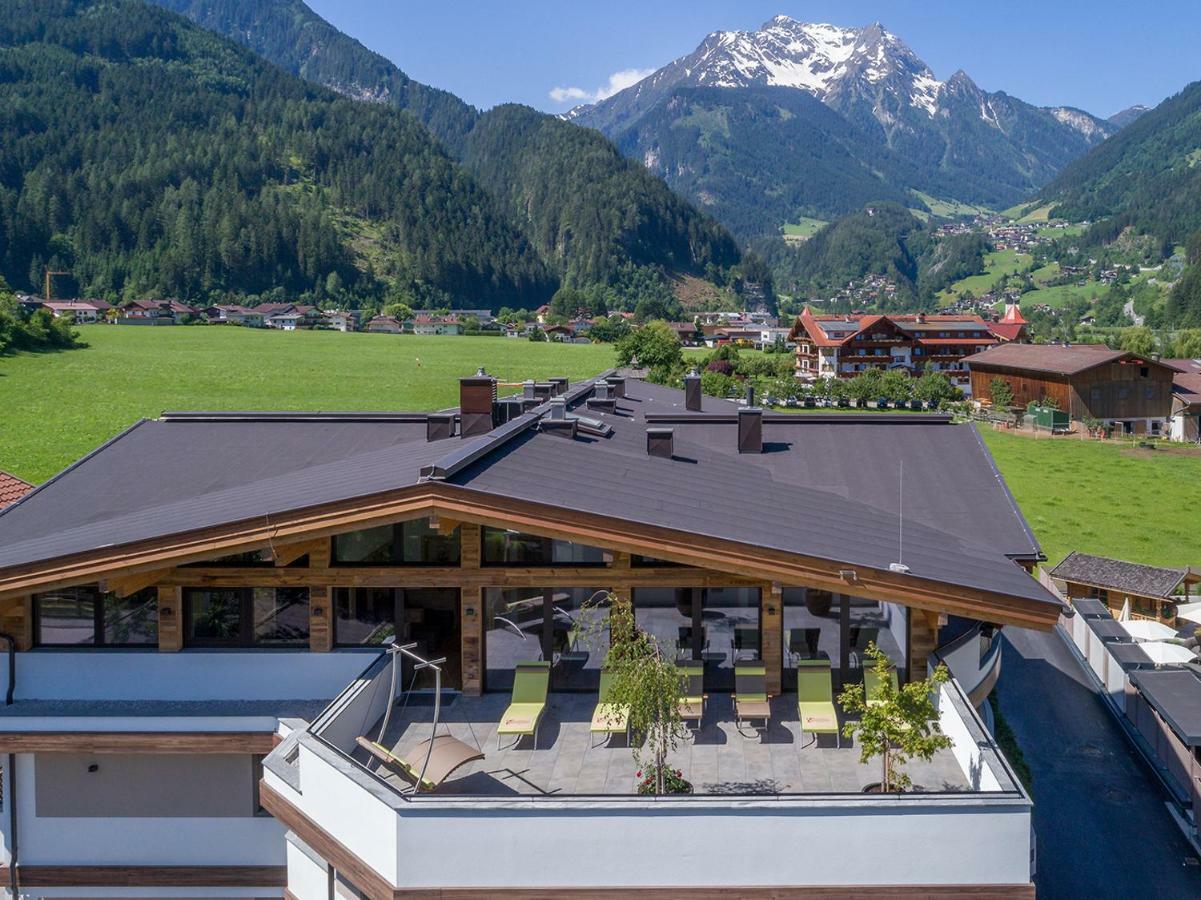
(750, 695)
(447, 755)
(815, 698)
(531, 680)
(608, 718)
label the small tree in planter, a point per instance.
(648, 683)
(899, 724)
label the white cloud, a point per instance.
(618, 81)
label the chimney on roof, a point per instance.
(439, 426)
(692, 391)
(921, 318)
(750, 430)
(603, 391)
(477, 395)
(558, 385)
(660, 442)
(527, 390)
(618, 385)
(558, 409)
(750, 395)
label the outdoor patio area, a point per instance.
(717, 760)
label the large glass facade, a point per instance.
(716, 626)
(412, 543)
(85, 616)
(567, 626)
(380, 616)
(508, 548)
(819, 624)
(246, 617)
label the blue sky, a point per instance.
(1101, 56)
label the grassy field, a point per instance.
(58, 406)
(1026, 212)
(947, 209)
(805, 228)
(996, 264)
(1060, 294)
(1105, 498)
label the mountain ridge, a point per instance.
(962, 143)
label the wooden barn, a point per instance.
(1114, 387)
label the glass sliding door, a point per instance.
(730, 633)
(559, 625)
(364, 617)
(430, 619)
(811, 631)
(670, 615)
(821, 625)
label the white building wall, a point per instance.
(308, 879)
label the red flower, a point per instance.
(638, 774)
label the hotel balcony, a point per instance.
(770, 807)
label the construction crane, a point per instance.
(50, 275)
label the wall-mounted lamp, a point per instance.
(469, 611)
(166, 612)
(318, 612)
(848, 575)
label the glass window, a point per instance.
(66, 617)
(425, 545)
(556, 624)
(365, 616)
(408, 543)
(371, 546)
(131, 621)
(281, 615)
(86, 617)
(214, 615)
(246, 617)
(667, 615)
(730, 633)
(430, 619)
(502, 547)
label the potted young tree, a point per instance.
(647, 682)
(895, 724)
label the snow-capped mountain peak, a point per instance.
(823, 59)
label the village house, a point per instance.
(384, 325)
(1139, 591)
(1115, 388)
(294, 673)
(833, 346)
(154, 312)
(340, 320)
(82, 312)
(232, 314)
(423, 323)
(1186, 401)
(1011, 328)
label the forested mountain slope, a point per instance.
(150, 156)
(590, 213)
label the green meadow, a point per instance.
(1109, 498)
(58, 406)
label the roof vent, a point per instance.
(558, 408)
(750, 430)
(750, 395)
(527, 390)
(618, 385)
(660, 442)
(477, 395)
(559, 385)
(606, 405)
(439, 426)
(603, 391)
(562, 427)
(692, 391)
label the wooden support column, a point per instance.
(923, 640)
(16, 618)
(471, 612)
(321, 600)
(771, 614)
(170, 618)
(321, 619)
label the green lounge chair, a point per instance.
(531, 680)
(815, 698)
(871, 683)
(608, 718)
(692, 703)
(448, 754)
(750, 695)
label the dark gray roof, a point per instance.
(1086, 606)
(1128, 655)
(1119, 575)
(825, 486)
(1055, 359)
(1176, 695)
